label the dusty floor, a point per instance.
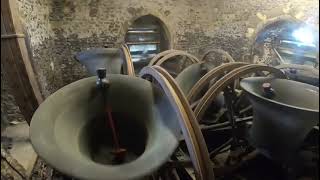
(16, 142)
(41, 171)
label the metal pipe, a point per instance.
(226, 124)
(218, 149)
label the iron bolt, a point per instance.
(293, 71)
(101, 73)
(266, 86)
(267, 89)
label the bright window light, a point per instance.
(304, 35)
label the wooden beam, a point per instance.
(15, 61)
(8, 36)
(143, 32)
(143, 42)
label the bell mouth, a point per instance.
(284, 112)
(287, 93)
(71, 112)
(96, 140)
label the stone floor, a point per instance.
(18, 145)
(15, 139)
(41, 171)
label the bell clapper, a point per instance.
(103, 84)
(119, 153)
(102, 81)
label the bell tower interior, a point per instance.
(160, 89)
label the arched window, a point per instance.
(145, 38)
(286, 41)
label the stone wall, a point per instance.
(34, 17)
(9, 109)
(60, 28)
(237, 20)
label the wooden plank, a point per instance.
(23, 50)
(16, 64)
(143, 32)
(143, 42)
(9, 36)
(10, 72)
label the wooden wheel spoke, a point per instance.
(244, 110)
(218, 126)
(128, 67)
(217, 150)
(169, 56)
(219, 51)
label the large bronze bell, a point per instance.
(94, 59)
(190, 75)
(69, 129)
(114, 60)
(284, 112)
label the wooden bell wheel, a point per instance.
(127, 66)
(219, 79)
(189, 126)
(219, 51)
(162, 58)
